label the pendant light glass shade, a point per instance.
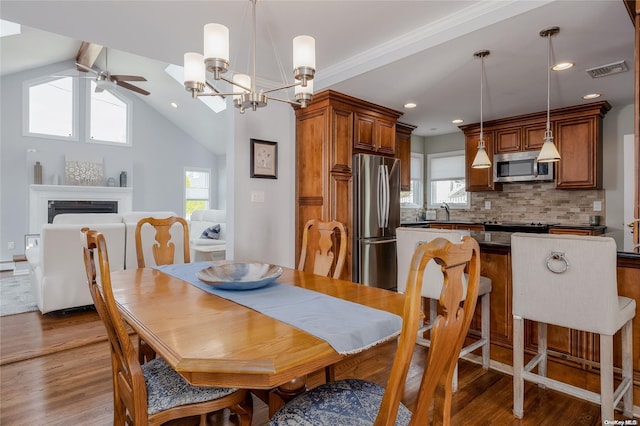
(549, 153)
(481, 160)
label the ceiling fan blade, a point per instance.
(132, 87)
(128, 78)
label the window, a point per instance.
(413, 197)
(196, 190)
(50, 107)
(109, 116)
(446, 180)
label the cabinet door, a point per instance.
(533, 136)
(577, 141)
(508, 140)
(404, 154)
(479, 179)
(364, 132)
(385, 137)
(341, 140)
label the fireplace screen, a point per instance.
(57, 207)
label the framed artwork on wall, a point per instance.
(264, 159)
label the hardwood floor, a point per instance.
(55, 370)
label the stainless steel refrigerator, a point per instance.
(376, 214)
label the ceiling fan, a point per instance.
(85, 59)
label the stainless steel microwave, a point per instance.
(521, 167)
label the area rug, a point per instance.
(16, 295)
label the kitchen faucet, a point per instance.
(445, 206)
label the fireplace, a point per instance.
(57, 207)
(75, 199)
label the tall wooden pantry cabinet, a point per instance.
(329, 131)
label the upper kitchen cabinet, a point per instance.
(577, 132)
(328, 132)
(403, 148)
(578, 137)
(479, 179)
(375, 133)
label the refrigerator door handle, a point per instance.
(380, 196)
(386, 196)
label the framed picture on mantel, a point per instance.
(264, 159)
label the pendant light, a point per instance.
(549, 152)
(481, 160)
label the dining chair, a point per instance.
(163, 249)
(354, 401)
(570, 281)
(318, 239)
(151, 393)
(407, 239)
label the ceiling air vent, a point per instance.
(605, 70)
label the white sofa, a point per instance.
(205, 248)
(57, 268)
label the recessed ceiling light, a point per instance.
(562, 66)
(457, 121)
(410, 105)
(591, 96)
(173, 104)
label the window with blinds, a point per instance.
(446, 180)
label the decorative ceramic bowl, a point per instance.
(240, 275)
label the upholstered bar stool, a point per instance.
(570, 281)
(407, 240)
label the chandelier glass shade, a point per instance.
(549, 153)
(245, 94)
(481, 160)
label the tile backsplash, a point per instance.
(527, 202)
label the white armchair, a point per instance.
(57, 271)
(206, 248)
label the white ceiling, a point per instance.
(387, 52)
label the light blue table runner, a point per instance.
(348, 327)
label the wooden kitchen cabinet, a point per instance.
(375, 134)
(579, 142)
(327, 132)
(403, 147)
(572, 231)
(577, 132)
(508, 140)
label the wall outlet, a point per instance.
(257, 196)
(597, 206)
(487, 205)
(11, 245)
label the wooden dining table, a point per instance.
(212, 341)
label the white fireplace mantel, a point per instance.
(40, 195)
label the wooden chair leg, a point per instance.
(606, 377)
(518, 367)
(627, 367)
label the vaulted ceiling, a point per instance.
(387, 52)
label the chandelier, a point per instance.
(481, 160)
(549, 152)
(245, 94)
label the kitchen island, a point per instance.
(572, 352)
